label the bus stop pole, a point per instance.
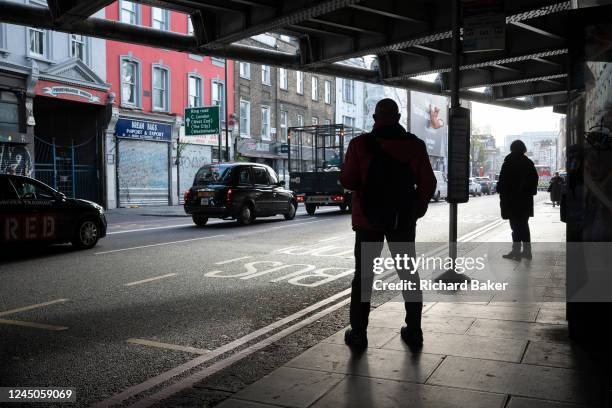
(455, 103)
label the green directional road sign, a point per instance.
(202, 121)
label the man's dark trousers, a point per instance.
(369, 245)
(520, 233)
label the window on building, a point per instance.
(348, 90)
(300, 120)
(245, 118)
(160, 88)
(245, 70)
(282, 78)
(78, 47)
(284, 119)
(265, 123)
(265, 75)
(9, 114)
(328, 92)
(218, 61)
(130, 82)
(348, 121)
(315, 88)
(129, 12)
(38, 42)
(2, 36)
(327, 122)
(160, 19)
(194, 91)
(189, 26)
(299, 76)
(315, 120)
(218, 97)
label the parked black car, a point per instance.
(32, 211)
(240, 191)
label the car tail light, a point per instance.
(338, 198)
(186, 195)
(229, 195)
(300, 199)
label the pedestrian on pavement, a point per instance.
(555, 188)
(518, 183)
(392, 181)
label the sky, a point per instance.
(506, 121)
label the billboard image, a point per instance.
(429, 121)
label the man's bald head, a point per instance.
(387, 112)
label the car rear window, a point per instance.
(215, 174)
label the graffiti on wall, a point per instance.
(192, 158)
(15, 159)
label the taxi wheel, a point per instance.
(199, 220)
(87, 234)
(343, 207)
(246, 215)
(290, 214)
(311, 209)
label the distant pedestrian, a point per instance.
(392, 181)
(518, 183)
(555, 188)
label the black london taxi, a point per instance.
(240, 191)
(31, 211)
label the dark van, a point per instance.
(240, 191)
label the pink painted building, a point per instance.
(152, 87)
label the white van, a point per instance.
(442, 186)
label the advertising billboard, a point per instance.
(429, 121)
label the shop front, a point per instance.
(15, 142)
(143, 161)
(69, 120)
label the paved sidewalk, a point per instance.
(476, 354)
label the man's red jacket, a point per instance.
(410, 150)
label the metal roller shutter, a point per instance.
(143, 173)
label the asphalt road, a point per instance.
(158, 292)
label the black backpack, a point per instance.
(388, 195)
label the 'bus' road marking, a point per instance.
(168, 346)
(150, 279)
(156, 245)
(232, 260)
(32, 325)
(31, 307)
(189, 365)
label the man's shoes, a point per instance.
(515, 256)
(356, 341)
(413, 338)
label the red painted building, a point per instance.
(152, 87)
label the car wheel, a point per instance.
(87, 234)
(311, 209)
(437, 197)
(290, 214)
(343, 207)
(246, 215)
(199, 220)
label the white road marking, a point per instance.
(151, 229)
(36, 306)
(32, 325)
(198, 376)
(222, 364)
(156, 245)
(156, 278)
(296, 224)
(168, 346)
(232, 260)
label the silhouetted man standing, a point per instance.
(392, 181)
(518, 183)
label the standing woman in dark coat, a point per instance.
(556, 184)
(518, 183)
